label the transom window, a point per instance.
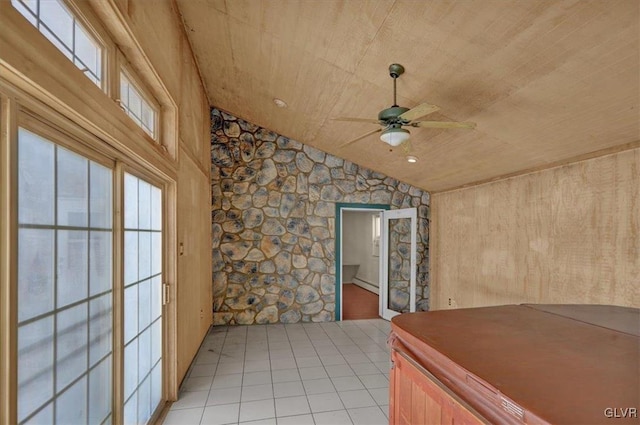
(136, 106)
(66, 26)
(54, 20)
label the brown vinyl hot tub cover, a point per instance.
(558, 364)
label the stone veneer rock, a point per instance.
(273, 211)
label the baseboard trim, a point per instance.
(365, 285)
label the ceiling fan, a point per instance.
(393, 119)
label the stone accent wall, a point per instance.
(273, 211)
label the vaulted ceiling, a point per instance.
(547, 82)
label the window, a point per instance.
(64, 285)
(136, 106)
(54, 20)
(86, 330)
(375, 232)
(74, 30)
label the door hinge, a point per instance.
(165, 294)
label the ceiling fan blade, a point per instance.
(419, 111)
(378, 130)
(356, 120)
(443, 124)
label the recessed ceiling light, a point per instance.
(412, 159)
(280, 103)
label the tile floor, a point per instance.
(313, 373)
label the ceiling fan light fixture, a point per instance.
(395, 136)
(412, 159)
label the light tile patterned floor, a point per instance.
(313, 373)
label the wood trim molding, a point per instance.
(434, 297)
(8, 261)
(170, 271)
(118, 294)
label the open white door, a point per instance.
(398, 262)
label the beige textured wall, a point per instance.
(194, 264)
(564, 235)
(357, 234)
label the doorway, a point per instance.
(393, 234)
(360, 264)
(359, 270)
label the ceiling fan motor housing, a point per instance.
(390, 115)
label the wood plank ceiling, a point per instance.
(546, 81)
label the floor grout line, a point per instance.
(329, 342)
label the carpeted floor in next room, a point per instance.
(358, 303)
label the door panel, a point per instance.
(398, 253)
(65, 284)
(66, 287)
(142, 300)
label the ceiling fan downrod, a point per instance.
(395, 70)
